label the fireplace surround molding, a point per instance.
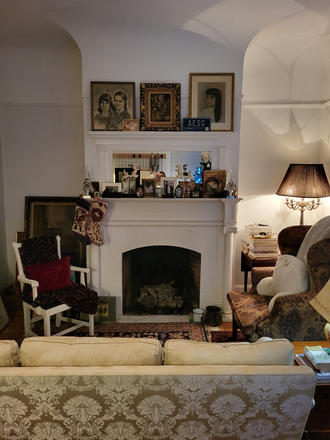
(207, 226)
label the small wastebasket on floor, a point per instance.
(213, 316)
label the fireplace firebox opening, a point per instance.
(161, 280)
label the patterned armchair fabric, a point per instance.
(163, 402)
(292, 317)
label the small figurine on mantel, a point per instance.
(87, 185)
(230, 185)
(206, 160)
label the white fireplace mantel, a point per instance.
(204, 225)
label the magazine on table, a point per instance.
(321, 377)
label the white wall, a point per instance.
(284, 119)
(41, 129)
(44, 118)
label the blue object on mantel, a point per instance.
(196, 124)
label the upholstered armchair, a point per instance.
(287, 315)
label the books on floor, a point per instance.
(259, 242)
(321, 376)
(318, 357)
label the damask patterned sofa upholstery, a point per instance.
(291, 316)
(148, 400)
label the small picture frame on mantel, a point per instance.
(149, 186)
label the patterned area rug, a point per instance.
(161, 331)
(225, 336)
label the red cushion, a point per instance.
(51, 276)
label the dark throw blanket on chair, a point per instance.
(42, 250)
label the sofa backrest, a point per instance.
(263, 352)
(89, 351)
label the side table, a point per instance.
(318, 423)
(247, 263)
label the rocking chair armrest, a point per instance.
(33, 283)
(83, 271)
(80, 269)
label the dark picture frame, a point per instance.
(54, 216)
(160, 106)
(214, 182)
(221, 87)
(113, 93)
(149, 187)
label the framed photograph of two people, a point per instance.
(211, 95)
(111, 103)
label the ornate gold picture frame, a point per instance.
(160, 106)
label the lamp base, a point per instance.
(327, 331)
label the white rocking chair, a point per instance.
(46, 313)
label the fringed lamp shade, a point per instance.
(307, 181)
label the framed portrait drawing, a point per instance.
(131, 124)
(54, 216)
(214, 182)
(111, 103)
(211, 95)
(160, 106)
(149, 186)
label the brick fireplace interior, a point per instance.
(161, 280)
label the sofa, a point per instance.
(60, 388)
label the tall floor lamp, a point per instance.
(307, 181)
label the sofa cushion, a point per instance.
(9, 353)
(89, 351)
(52, 275)
(263, 352)
(290, 275)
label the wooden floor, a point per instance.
(15, 328)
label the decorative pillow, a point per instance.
(51, 276)
(263, 352)
(290, 275)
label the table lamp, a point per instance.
(321, 303)
(305, 181)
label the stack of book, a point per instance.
(259, 242)
(318, 359)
